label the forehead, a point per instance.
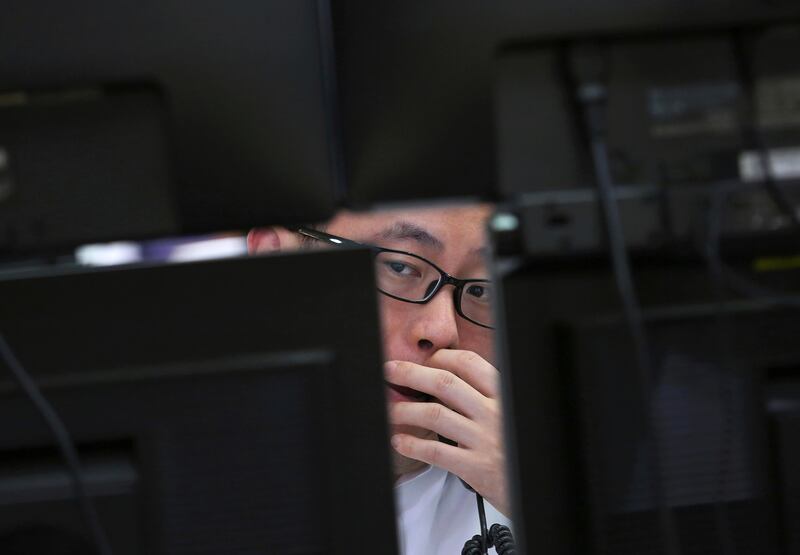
(450, 226)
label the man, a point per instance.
(439, 370)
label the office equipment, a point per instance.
(722, 398)
(416, 82)
(216, 407)
(649, 322)
(122, 121)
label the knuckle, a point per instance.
(435, 453)
(445, 381)
(434, 411)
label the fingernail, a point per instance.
(395, 441)
(389, 365)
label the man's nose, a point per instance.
(436, 326)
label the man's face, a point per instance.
(453, 239)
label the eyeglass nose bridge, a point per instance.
(447, 279)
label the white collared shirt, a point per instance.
(436, 514)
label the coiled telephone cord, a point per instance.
(498, 536)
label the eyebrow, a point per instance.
(404, 231)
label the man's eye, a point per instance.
(480, 292)
(401, 268)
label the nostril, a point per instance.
(424, 344)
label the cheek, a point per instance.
(393, 319)
(388, 317)
(479, 341)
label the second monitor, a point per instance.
(223, 407)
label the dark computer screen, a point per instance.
(223, 407)
(123, 121)
(708, 439)
(417, 82)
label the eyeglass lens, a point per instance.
(414, 279)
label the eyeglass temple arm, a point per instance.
(322, 236)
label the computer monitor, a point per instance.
(417, 80)
(657, 414)
(127, 121)
(689, 445)
(231, 406)
(710, 436)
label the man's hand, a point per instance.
(466, 409)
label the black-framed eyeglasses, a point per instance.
(408, 277)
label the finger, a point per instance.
(442, 384)
(449, 457)
(437, 418)
(471, 368)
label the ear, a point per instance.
(272, 239)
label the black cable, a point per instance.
(592, 97)
(473, 546)
(503, 541)
(327, 46)
(482, 519)
(498, 536)
(65, 445)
